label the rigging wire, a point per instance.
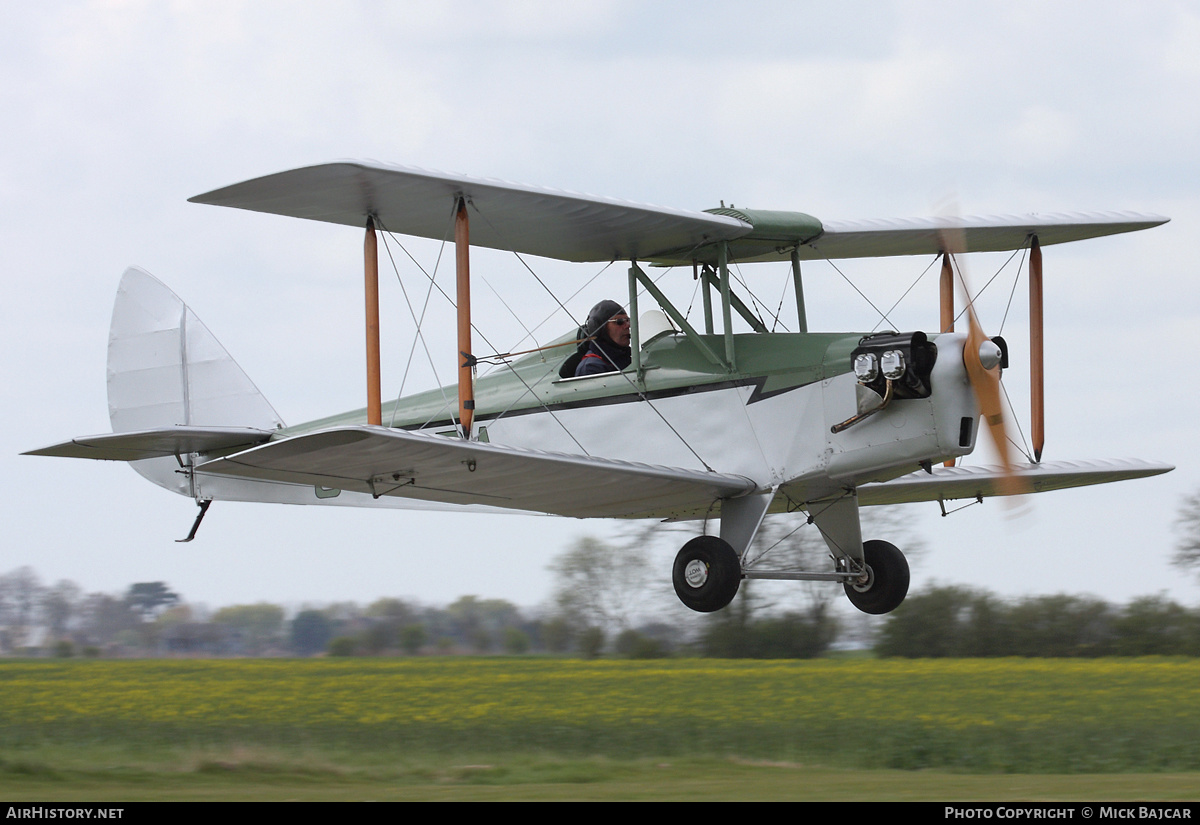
(446, 402)
(758, 310)
(418, 321)
(1013, 291)
(571, 297)
(972, 298)
(779, 309)
(882, 314)
(1023, 447)
(529, 389)
(910, 289)
(536, 277)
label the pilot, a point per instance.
(608, 351)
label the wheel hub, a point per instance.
(695, 573)
(863, 584)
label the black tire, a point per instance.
(707, 574)
(888, 583)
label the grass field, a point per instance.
(553, 728)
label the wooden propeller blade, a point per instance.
(985, 383)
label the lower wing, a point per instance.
(385, 462)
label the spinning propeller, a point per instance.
(981, 358)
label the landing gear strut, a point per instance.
(707, 574)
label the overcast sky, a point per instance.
(115, 113)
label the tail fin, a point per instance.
(166, 369)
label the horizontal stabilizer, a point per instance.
(387, 462)
(948, 483)
(159, 443)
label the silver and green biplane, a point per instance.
(706, 423)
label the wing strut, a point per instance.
(462, 258)
(371, 276)
(1037, 388)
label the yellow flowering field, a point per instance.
(981, 714)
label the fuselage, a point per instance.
(769, 420)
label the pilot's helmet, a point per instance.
(600, 314)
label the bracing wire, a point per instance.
(971, 299)
(758, 305)
(1013, 291)
(1023, 447)
(530, 389)
(417, 320)
(854, 286)
(910, 289)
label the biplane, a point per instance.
(716, 418)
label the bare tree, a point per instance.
(60, 604)
(20, 595)
(600, 584)
(1187, 527)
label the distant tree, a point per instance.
(600, 585)
(634, 644)
(1062, 625)
(256, 625)
(343, 646)
(392, 611)
(590, 642)
(1155, 626)
(20, 594)
(387, 617)
(60, 604)
(104, 618)
(479, 623)
(927, 625)
(953, 621)
(516, 641)
(413, 637)
(557, 634)
(311, 632)
(1187, 528)
(147, 598)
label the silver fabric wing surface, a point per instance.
(507, 216)
(385, 462)
(949, 483)
(577, 227)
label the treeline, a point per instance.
(151, 620)
(955, 621)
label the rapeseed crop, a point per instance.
(977, 715)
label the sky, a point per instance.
(114, 113)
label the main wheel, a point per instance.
(707, 574)
(887, 579)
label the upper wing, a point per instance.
(983, 233)
(386, 462)
(508, 216)
(946, 483)
(577, 227)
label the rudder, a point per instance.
(165, 369)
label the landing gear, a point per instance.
(886, 581)
(708, 572)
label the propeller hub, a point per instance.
(990, 354)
